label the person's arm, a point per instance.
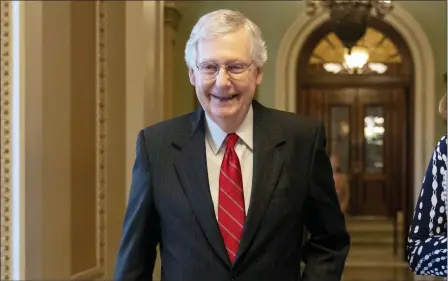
(427, 245)
(137, 253)
(326, 250)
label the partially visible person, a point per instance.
(341, 183)
(427, 239)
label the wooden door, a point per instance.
(366, 129)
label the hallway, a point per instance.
(71, 114)
(371, 256)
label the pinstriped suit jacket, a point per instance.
(170, 205)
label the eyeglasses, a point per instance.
(235, 70)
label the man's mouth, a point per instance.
(224, 98)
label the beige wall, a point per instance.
(89, 81)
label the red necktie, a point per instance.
(231, 211)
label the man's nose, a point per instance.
(222, 79)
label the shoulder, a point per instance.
(441, 146)
(164, 131)
(440, 153)
(178, 122)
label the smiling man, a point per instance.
(227, 190)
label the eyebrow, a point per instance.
(228, 62)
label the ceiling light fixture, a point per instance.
(356, 62)
(349, 17)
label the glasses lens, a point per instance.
(236, 68)
(209, 69)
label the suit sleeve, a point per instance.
(326, 250)
(427, 240)
(137, 252)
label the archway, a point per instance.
(423, 85)
(367, 114)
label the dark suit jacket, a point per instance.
(293, 187)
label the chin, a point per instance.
(224, 113)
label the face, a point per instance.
(227, 97)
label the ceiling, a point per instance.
(380, 48)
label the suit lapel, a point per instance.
(191, 168)
(268, 162)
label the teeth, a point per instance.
(224, 98)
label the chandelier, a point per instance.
(349, 17)
(356, 62)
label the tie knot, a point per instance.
(231, 140)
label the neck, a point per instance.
(228, 125)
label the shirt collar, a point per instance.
(216, 136)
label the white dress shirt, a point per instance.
(215, 148)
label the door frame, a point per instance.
(403, 79)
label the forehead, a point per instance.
(230, 47)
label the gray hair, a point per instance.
(222, 22)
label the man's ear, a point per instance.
(191, 75)
(259, 75)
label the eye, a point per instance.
(236, 67)
(208, 67)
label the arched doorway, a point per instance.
(367, 116)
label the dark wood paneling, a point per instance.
(374, 195)
(319, 103)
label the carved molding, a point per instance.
(5, 142)
(172, 16)
(101, 132)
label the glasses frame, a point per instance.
(220, 66)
